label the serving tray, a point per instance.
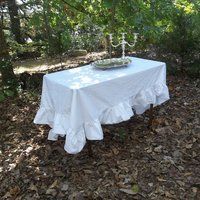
(112, 63)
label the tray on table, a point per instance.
(112, 63)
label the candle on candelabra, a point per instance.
(110, 37)
(135, 36)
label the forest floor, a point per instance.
(49, 64)
(131, 162)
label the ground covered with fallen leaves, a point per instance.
(132, 162)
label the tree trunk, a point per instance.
(15, 21)
(6, 68)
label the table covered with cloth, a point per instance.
(75, 102)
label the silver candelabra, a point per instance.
(124, 42)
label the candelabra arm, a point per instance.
(131, 45)
(123, 43)
(115, 45)
(135, 40)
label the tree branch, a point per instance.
(82, 11)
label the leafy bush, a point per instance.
(182, 35)
(193, 70)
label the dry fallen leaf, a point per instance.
(150, 184)
(7, 195)
(65, 186)
(178, 123)
(169, 195)
(14, 191)
(59, 173)
(46, 164)
(158, 149)
(181, 183)
(194, 190)
(12, 166)
(171, 88)
(161, 179)
(33, 187)
(149, 149)
(54, 184)
(188, 146)
(28, 150)
(115, 151)
(87, 171)
(188, 174)
(51, 191)
(128, 191)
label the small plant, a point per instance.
(122, 134)
(5, 92)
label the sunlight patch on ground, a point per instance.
(53, 63)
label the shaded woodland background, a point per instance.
(42, 29)
(132, 162)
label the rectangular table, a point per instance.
(76, 102)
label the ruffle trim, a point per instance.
(76, 139)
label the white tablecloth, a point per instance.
(76, 102)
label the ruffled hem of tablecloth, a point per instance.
(75, 140)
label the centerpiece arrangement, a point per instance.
(116, 62)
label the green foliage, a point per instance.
(87, 36)
(182, 36)
(9, 84)
(62, 25)
(135, 188)
(28, 50)
(2, 96)
(122, 134)
(6, 92)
